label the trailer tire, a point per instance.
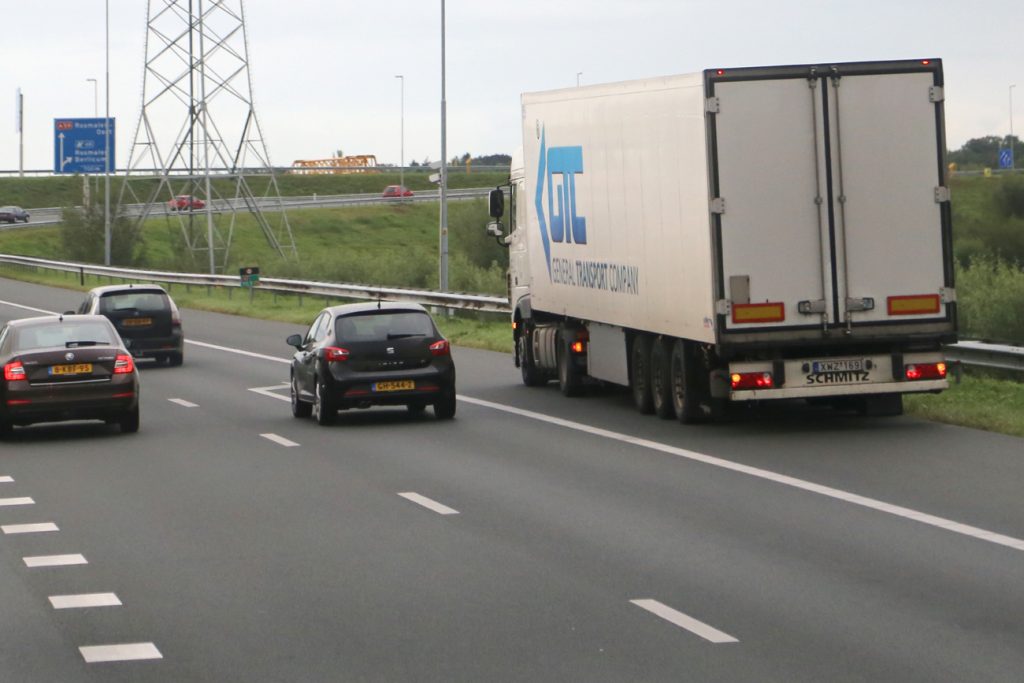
(570, 379)
(661, 378)
(685, 382)
(640, 373)
(532, 375)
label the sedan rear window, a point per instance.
(134, 301)
(383, 326)
(61, 335)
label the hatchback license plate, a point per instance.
(76, 369)
(137, 322)
(399, 385)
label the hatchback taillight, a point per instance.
(175, 318)
(334, 354)
(123, 364)
(14, 371)
(440, 348)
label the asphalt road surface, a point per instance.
(533, 538)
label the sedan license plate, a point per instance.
(137, 322)
(75, 369)
(398, 385)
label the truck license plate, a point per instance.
(839, 371)
(837, 365)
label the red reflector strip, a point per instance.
(916, 304)
(357, 392)
(752, 380)
(759, 313)
(926, 371)
(126, 394)
(18, 402)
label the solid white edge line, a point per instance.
(183, 403)
(5, 502)
(54, 560)
(240, 352)
(83, 600)
(279, 440)
(828, 492)
(428, 503)
(28, 528)
(27, 308)
(709, 633)
(121, 652)
(5, 479)
(270, 391)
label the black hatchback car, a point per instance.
(361, 355)
(144, 315)
(66, 368)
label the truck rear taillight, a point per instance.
(926, 371)
(14, 371)
(774, 312)
(752, 380)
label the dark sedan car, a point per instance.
(361, 355)
(144, 315)
(66, 368)
(13, 214)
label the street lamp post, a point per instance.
(578, 74)
(95, 97)
(444, 170)
(106, 148)
(401, 157)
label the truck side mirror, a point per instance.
(496, 200)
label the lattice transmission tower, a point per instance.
(198, 134)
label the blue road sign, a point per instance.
(1006, 157)
(78, 145)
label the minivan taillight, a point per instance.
(440, 348)
(14, 371)
(123, 364)
(334, 354)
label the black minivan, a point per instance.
(144, 316)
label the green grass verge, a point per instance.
(987, 403)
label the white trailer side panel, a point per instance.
(617, 180)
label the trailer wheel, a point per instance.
(661, 378)
(686, 387)
(640, 373)
(532, 375)
(570, 380)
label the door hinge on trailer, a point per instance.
(936, 93)
(948, 295)
(810, 307)
(718, 205)
(712, 105)
(723, 307)
(942, 194)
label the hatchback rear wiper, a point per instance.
(400, 335)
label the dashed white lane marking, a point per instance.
(84, 600)
(428, 503)
(54, 560)
(687, 622)
(271, 392)
(122, 652)
(280, 440)
(240, 352)
(16, 501)
(827, 491)
(183, 403)
(5, 479)
(28, 528)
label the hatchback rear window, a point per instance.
(383, 326)
(60, 335)
(134, 301)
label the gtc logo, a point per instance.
(556, 170)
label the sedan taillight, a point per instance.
(333, 354)
(440, 348)
(123, 364)
(14, 371)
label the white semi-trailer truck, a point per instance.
(735, 235)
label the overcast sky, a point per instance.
(323, 70)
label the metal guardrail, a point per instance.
(970, 353)
(469, 302)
